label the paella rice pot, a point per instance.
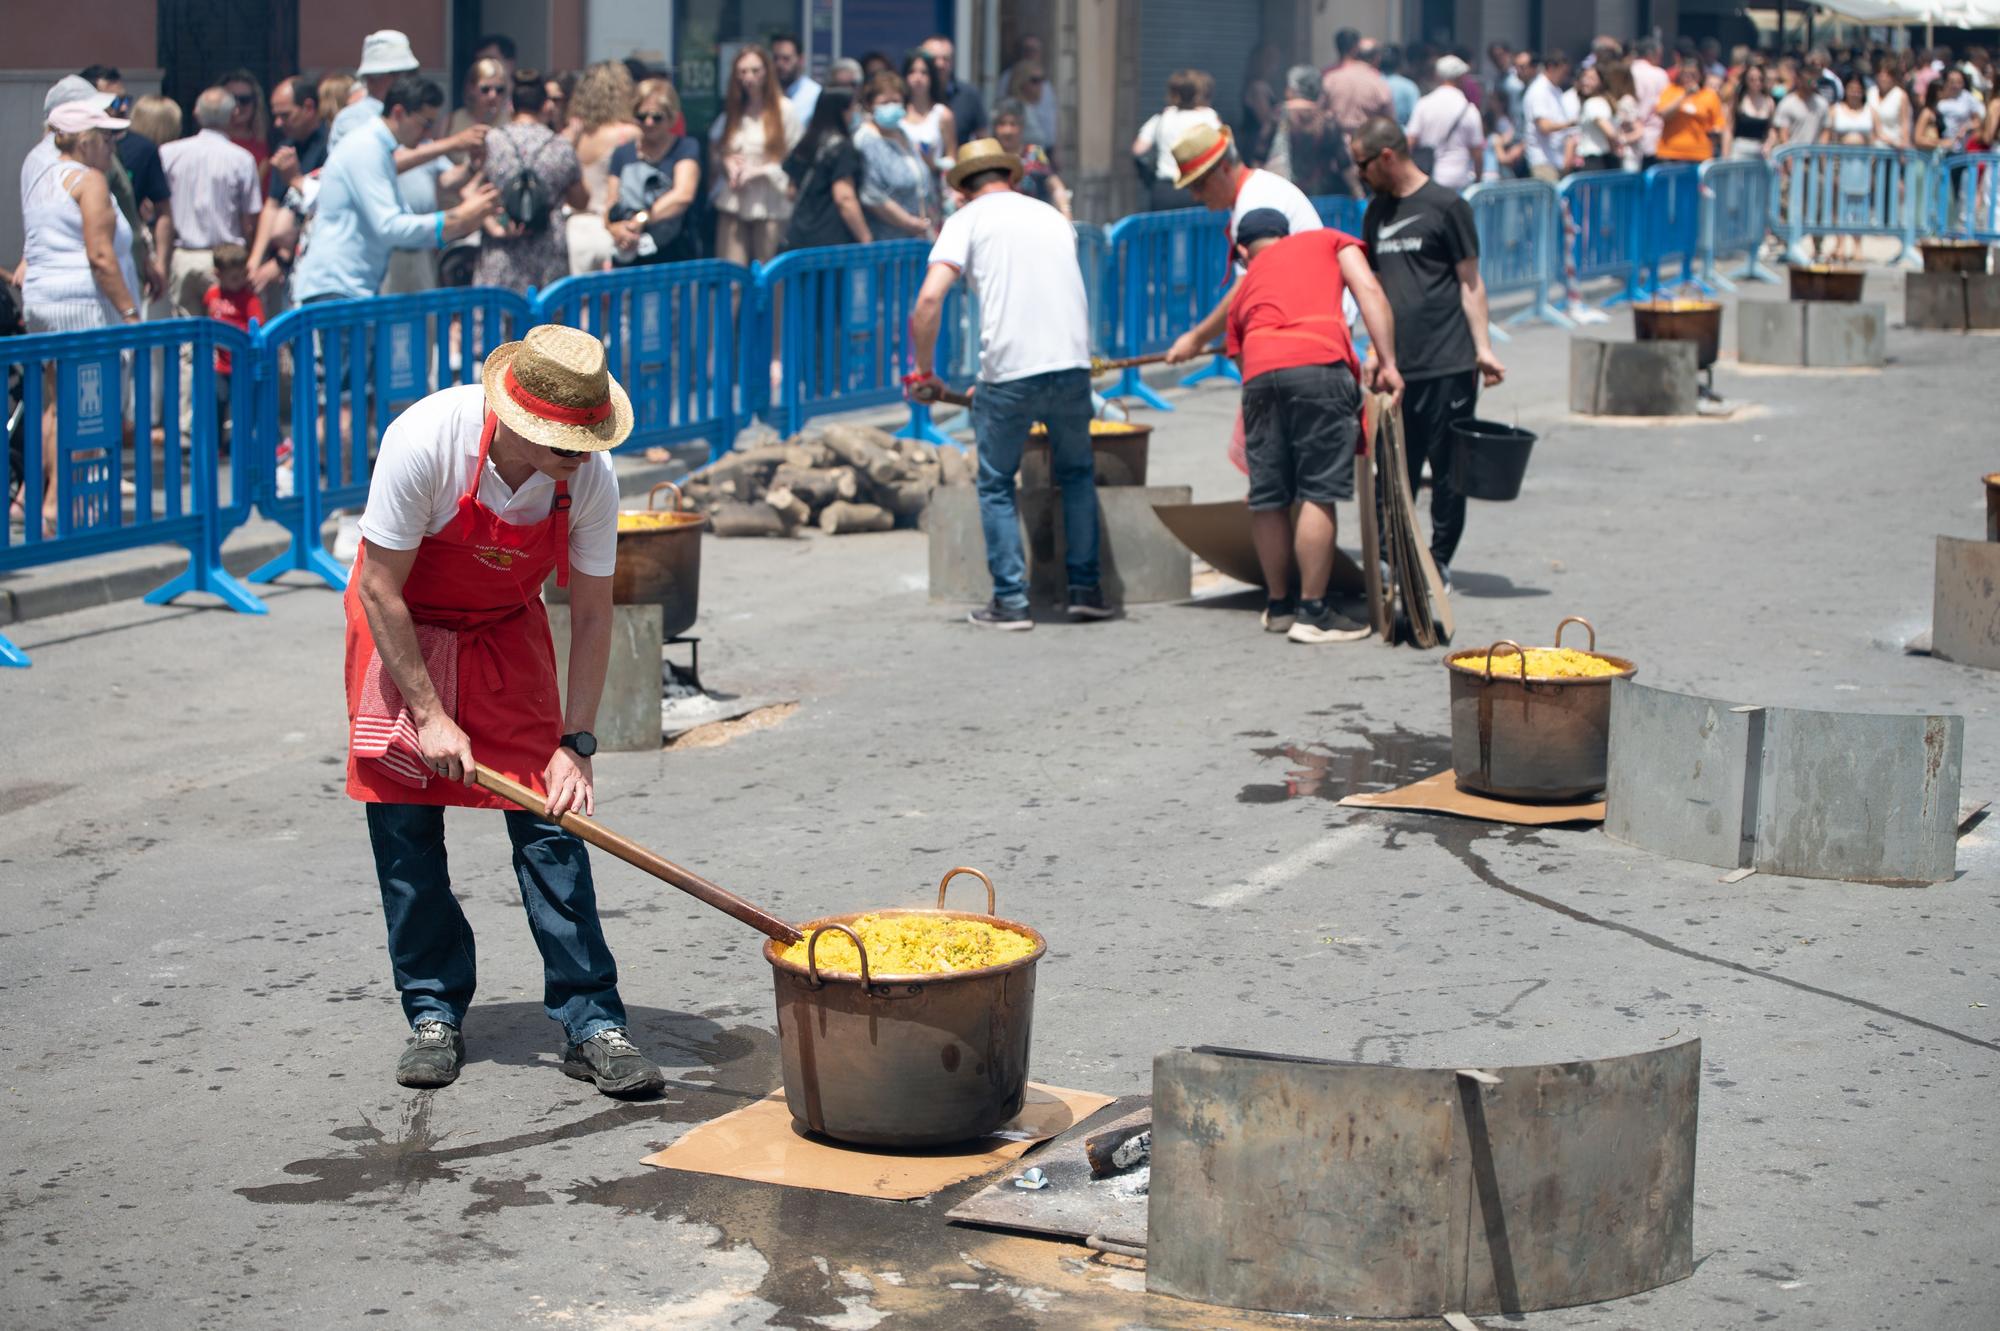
(1542, 663)
(915, 944)
(643, 521)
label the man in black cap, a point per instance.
(1302, 405)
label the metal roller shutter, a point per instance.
(1194, 34)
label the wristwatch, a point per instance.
(583, 742)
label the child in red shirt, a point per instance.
(231, 300)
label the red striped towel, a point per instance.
(384, 732)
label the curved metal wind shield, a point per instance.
(1849, 795)
(1299, 1185)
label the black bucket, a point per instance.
(1488, 459)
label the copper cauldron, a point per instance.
(905, 1060)
(1522, 739)
(1823, 281)
(1696, 321)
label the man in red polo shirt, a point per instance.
(1302, 405)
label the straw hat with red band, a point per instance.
(553, 388)
(1197, 151)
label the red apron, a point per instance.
(481, 578)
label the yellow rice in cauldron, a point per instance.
(1098, 429)
(915, 945)
(651, 521)
(1543, 663)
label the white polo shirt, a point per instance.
(426, 463)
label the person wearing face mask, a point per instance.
(1424, 248)
(897, 188)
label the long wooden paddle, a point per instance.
(1099, 365)
(639, 857)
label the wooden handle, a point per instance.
(639, 857)
(1102, 365)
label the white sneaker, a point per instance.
(347, 538)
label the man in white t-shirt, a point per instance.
(479, 494)
(1447, 123)
(1550, 119)
(1211, 171)
(1019, 257)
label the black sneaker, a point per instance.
(1088, 603)
(435, 1053)
(1322, 623)
(1279, 613)
(614, 1063)
(993, 615)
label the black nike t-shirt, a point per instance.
(1415, 245)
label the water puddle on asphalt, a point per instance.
(1383, 760)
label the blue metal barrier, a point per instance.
(104, 382)
(1168, 269)
(1834, 190)
(1735, 213)
(674, 336)
(1965, 197)
(1602, 235)
(1093, 250)
(843, 331)
(1340, 211)
(1672, 216)
(354, 365)
(1517, 225)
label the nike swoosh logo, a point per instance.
(1460, 403)
(1393, 227)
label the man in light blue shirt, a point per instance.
(360, 216)
(800, 89)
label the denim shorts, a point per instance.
(1300, 428)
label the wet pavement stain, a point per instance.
(382, 1169)
(1383, 761)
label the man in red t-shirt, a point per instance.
(1302, 405)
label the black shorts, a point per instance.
(1300, 427)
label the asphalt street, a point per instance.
(199, 1124)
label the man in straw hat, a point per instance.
(1019, 256)
(1211, 171)
(478, 493)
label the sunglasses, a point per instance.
(569, 452)
(1365, 162)
(651, 117)
(491, 90)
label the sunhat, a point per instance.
(1197, 152)
(385, 52)
(73, 88)
(76, 117)
(984, 155)
(1450, 67)
(553, 388)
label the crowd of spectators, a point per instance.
(1622, 106)
(355, 184)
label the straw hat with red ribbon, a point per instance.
(554, 388)
(1197, 151)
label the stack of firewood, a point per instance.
(843, 478)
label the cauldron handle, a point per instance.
(1577, 619)
(1519, 655)
(653, 494)
(946, 880)
(812, 958)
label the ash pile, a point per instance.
(840, 478)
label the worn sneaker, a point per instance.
(612, 1061)
(993, 615)
(1088, 603)
(435, 1053)
(1444, 573)
(1322, 623)
(1279, 612)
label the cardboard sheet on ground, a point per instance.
(1440, 794)
(759, 1143)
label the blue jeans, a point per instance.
(1001, 416)
(430, 942)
